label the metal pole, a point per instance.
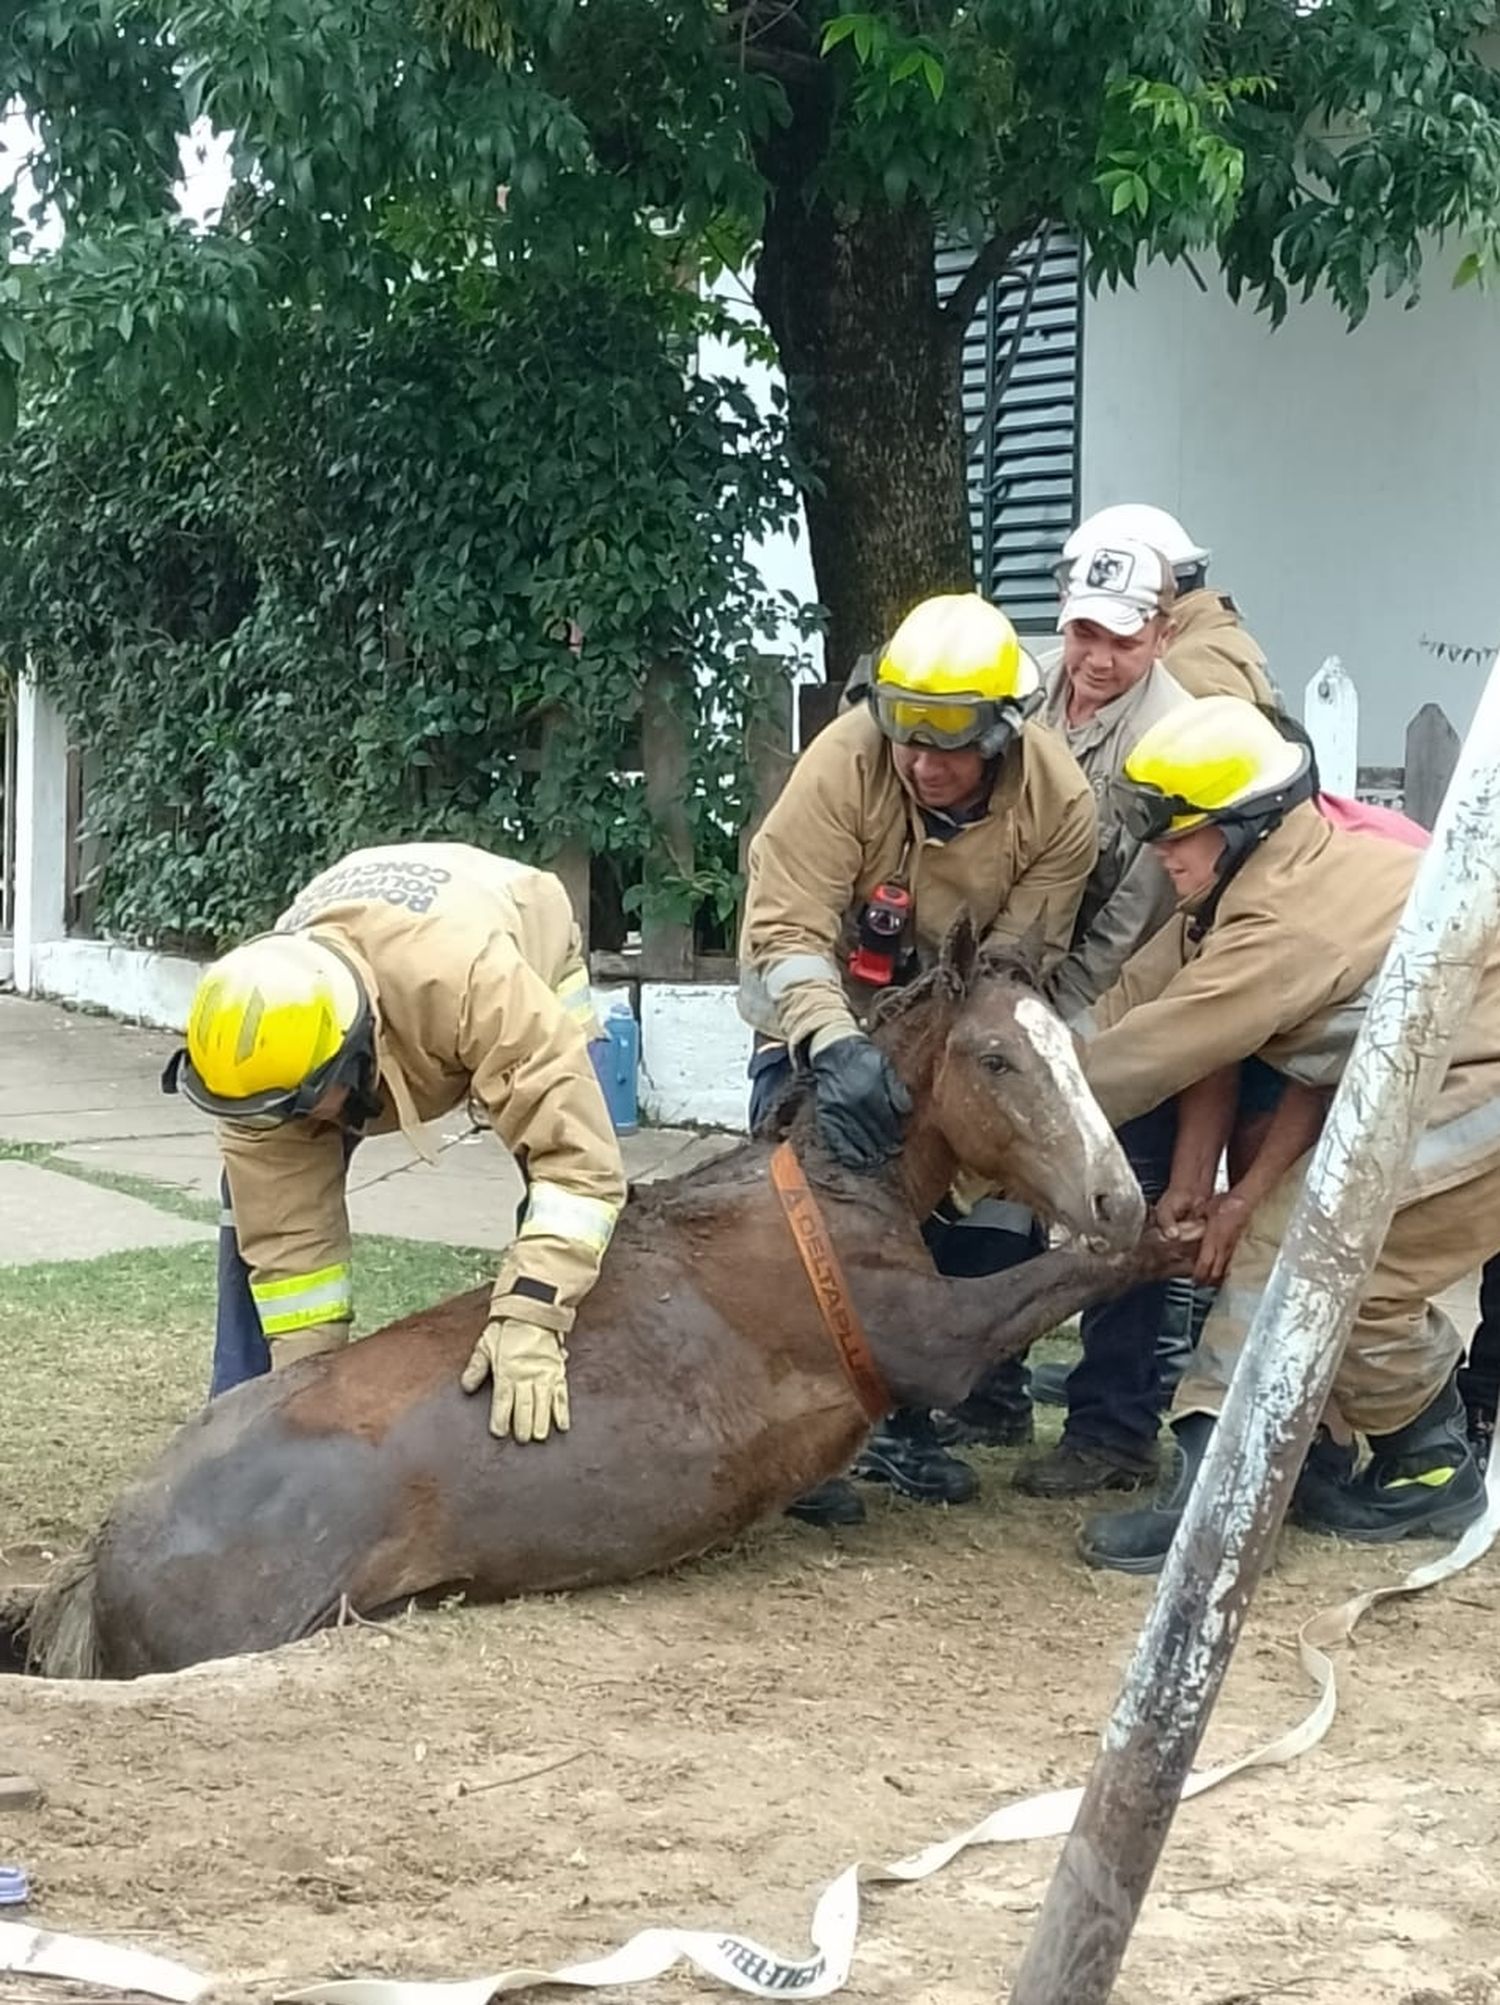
(1422, 996)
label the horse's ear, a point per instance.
(960, 955)
(1031, 948)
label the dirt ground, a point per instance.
(533, 1783)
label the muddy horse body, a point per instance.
(706, 1390)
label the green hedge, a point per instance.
(338, 612)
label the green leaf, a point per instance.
(1470, 267)
(935, 75)
(839, 29)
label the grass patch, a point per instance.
(105, 1358)
(162, 1196)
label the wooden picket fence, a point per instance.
(1331, 713)
(1418, 787)
(667, 950)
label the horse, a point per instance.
(721, 1366)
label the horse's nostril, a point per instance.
(1102, 1207)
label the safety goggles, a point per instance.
(948, 723)
(1145, 813)
(349, 1066)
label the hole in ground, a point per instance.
(15, 1607)
(22, 1570)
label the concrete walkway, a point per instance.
(86, 1091)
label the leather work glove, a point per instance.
(861, 1104)
(528, 1365)
(308, 1343)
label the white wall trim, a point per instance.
(41, 828)
(128, 982)
(695, 1047)
(694, 1044)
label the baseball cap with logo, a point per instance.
(1117, 585)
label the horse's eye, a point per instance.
(995, 1061)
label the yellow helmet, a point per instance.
(1218, 759)
(954, 674)
(273, 1025)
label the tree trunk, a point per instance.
(873, 387)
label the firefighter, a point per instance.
(1283, 923)
(401, 983)
(940, 792)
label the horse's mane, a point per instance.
(1014, 961)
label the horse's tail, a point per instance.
(62, 1630)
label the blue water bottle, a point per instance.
(616, 1056)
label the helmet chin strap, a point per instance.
(1242, 837)
(993, 744)
(364, 1103)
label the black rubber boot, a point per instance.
(835, 1502)
(1421, 1482)
(1481, 1427)
(905, 1453)
(1049, 1382)
(1082, 1469)
(997, 1413)
(1137, 1541)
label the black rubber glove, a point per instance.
(862, 1105)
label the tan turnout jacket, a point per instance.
(1211, 654)
(474, 973)
(844, 823)
(1284, 972)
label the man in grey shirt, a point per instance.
(1103, 693)
(1107, 689)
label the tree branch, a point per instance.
(958, 309)
(771, 35)
(784, 63)
(1003, 374)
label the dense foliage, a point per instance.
(307, 496)
(414, 593)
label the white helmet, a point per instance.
(1138, 522)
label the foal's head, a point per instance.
(993, 1069)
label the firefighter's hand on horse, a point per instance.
(862, 1105)
(529, 1368)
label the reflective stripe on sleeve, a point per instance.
(574, 994)
(555, 1213)
(786, 974)
(301, 1300)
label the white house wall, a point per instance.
(1348, 484)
